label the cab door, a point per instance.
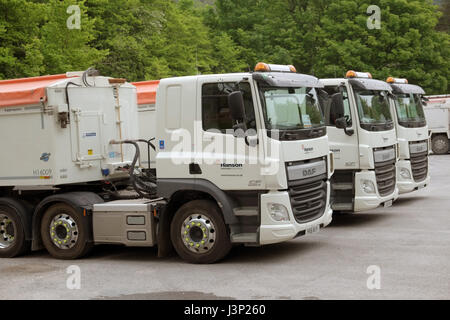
(230, 162)
(343, 143)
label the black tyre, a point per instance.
(65, 232)
(440, 144)
(12, 233)
(199, 234)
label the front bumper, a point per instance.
(367, 201)
(272, 231)
(408, 185)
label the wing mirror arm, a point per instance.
(341, 123)
(349, 132)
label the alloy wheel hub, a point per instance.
(198, 233)
(7, 231)
(63, 232)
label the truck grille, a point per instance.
(386, 179)
(308, 198)
(419, 166)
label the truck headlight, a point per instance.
(278, 212)
(368, 186)
(405, 173)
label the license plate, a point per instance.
(313, 230)
(420, 187)
(388, 204)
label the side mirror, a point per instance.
(341, 123)
(337, 105)
(236, 104)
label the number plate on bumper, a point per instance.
(313, 229)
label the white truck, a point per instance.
(438, 119)
(240, 159)
(412, 135)
(362, 137)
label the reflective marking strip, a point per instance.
(26, 178)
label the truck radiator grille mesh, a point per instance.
(386, 177)
(308, 198)
(419, 166)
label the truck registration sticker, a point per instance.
(44, 174)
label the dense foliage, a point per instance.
(152, 39)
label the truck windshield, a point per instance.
(294, 112)
(373, 109)
(410, 110)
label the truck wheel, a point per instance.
(440, 144)
(65, 232)
(199, 234)
(12, 233)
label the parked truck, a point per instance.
(438, 119)
(412, 135)
(362, 137)
(71, 179)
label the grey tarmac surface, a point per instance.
(410, 242)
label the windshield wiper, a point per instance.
(315, 132)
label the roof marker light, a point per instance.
(396, 80)
(264, 67)
(354, 74)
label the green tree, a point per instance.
(129, 30)
(327, 38)
(406, 45)
(63, 48)
(152, 39)
(20, 23)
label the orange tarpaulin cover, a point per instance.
(26, 91)
(146, 91)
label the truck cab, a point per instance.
(233, 159)
(362, 137)
(256, 143)
(412, 135)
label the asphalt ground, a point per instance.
(405, 248)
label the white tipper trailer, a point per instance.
(363, 139)
(71, 178)
(412, 135)
(438, 119)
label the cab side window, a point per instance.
(216, 113)
(330, 114)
